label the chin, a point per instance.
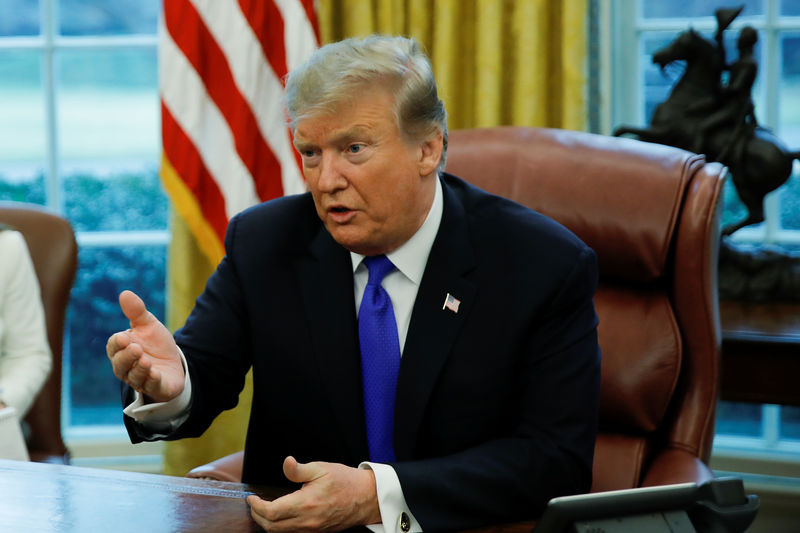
(358, 246)
(350, 242)
(357, 241)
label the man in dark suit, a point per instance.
(492, 406)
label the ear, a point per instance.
(430, 153)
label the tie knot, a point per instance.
(378, 266)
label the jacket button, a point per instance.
(405, 523)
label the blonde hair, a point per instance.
(337, 71)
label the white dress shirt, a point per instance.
(402, 285)
(25, 358)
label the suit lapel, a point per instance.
(326, 278)
(433, 329)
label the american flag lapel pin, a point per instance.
(451, 303)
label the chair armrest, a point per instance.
(676, 466)
(228, 468)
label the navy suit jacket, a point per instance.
(496, 407)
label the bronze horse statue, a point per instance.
(758, 161)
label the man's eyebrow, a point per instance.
(300, 144)
(353, 133)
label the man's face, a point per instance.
(372, 190)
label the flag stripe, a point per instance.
(300, 38)
(208, 239)
(311, 16)
(201, 49)
(186, 160)
(259, 86)
(266, 21)
(185, 96)
(222, 65)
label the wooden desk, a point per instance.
(760, 352)
(45, 498)
(39, 498)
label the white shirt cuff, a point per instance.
(163, 416)
(391, 501)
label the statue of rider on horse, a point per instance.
(704, 115)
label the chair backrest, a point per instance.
(650, 213)
(54, 253)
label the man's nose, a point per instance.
(331, 178)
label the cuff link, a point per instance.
(405, 523)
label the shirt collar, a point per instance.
(412, 256)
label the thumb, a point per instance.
(134, 309)
(299, 472)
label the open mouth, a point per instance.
(340, 214)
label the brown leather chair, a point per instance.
(54, 252)
(650, 213)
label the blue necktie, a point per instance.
(380, 360)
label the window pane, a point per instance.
(738, 418)
(19, 17)
(94, 314)
(696, 8)
(790, 7)
(657, 82)
(22, 127)
(733, 210)
(115, 198)
(789, 90)
(105, 17)
(108, 104)
(790, 422)
(789, 124)
(108, 113)
(658, 85)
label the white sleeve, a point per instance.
(396, 517)
(25, 358)
(163, 417)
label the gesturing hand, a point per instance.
(333, 497)
(145, 356)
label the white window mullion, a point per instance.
(625, 53)
(53, 196)
(104, 42)
(771, 76)
(771, 425)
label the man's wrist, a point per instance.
(371, 507)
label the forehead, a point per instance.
(371, 112)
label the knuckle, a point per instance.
(271, 514)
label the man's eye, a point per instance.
(355, 148)
(307, 153)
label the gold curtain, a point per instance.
(497, 62)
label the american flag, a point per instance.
(451, 303)
(225, 142)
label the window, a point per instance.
(80, 134)
(639, 28)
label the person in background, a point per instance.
(424, 353)
(25, 358)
